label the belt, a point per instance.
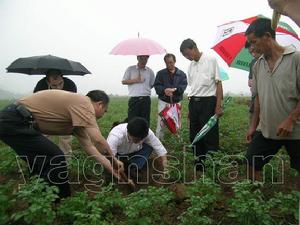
(26, 114)
(198, 99)
(23, 111)
(140, 97)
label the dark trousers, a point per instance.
(139, 107)
(135, 161)
(44, 158)
(200, 111)
(262, 150)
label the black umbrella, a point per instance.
(40, 65)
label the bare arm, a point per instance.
(163, 162)
(139, 79)
(88, 136)
(290, 8)
(102, 145)
(219, 95)
(91, 150)
(255, 119)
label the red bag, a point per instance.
(171, 117)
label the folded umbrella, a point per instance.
(170, 116)
(40, 65)
(210, 124)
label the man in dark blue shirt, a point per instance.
(55, 80)
(170, 84)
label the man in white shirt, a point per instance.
(205, 98)
(140, 80)
(133, 143)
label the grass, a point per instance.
(223, 196)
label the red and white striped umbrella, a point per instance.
(230, 41)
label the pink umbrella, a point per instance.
(138, 46)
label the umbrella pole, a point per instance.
(275, 19)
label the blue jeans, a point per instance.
(136, 160)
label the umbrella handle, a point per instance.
(275, 19)
(171, 100)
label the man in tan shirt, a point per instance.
(55, 80)
(57, 112)
(276, 84)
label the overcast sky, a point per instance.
(86, 31)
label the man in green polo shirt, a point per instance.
(276, 83)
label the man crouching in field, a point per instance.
(57, 112)
(133, 143)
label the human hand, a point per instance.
(250, 82)
(140, 79)
(281, 5)
(131, 184)
(285, 128)
(218, 111)
(250, 134)
(118, 165)
(169, 91)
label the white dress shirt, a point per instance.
(203, 76)
(119, 142)
(139, 89)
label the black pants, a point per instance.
(262, 150)
(200, 111)
(139, 107)
(44, 158)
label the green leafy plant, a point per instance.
(8, 162)
(248, 206)
(39, 197)
(147, 206)
(203, 195)
(82, 210)
(7, 201)
(286, 207)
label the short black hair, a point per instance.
(98, 96)
(138, 127)
(187, 44)
(260, 27)
(170, 55)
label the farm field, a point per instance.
(220, 195)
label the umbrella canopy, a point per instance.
(230, 41)
(170, 116)
(138, 46)
(223, 74)
(40, 65)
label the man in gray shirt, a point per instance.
(276, 83)
(140, 80)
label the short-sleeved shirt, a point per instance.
(250, 76)
(42, 84)
(278, 92)
(203, 76)
(119, 142)
(59, 112)
(139, 89)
